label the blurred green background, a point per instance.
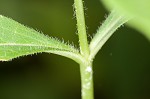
(121, 68)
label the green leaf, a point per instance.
(104, 32)
(138, 9)
(17, 40)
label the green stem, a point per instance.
(86, 70)
(84, 48)
(87, 81)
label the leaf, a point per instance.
(104, 32)
(138, 9)
(17, 40)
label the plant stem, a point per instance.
(86, 72)
(84, 48)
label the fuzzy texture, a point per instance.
(105, 31)
(17, 40)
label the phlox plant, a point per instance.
(18, 40)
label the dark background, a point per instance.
(121, 68)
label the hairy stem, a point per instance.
(81, 28)
(85, 65)
(87, 80)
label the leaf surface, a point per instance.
(18, 40)
(138, 9)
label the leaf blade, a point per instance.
(139, 10)
(17, 40)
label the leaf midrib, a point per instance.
(34, 45)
